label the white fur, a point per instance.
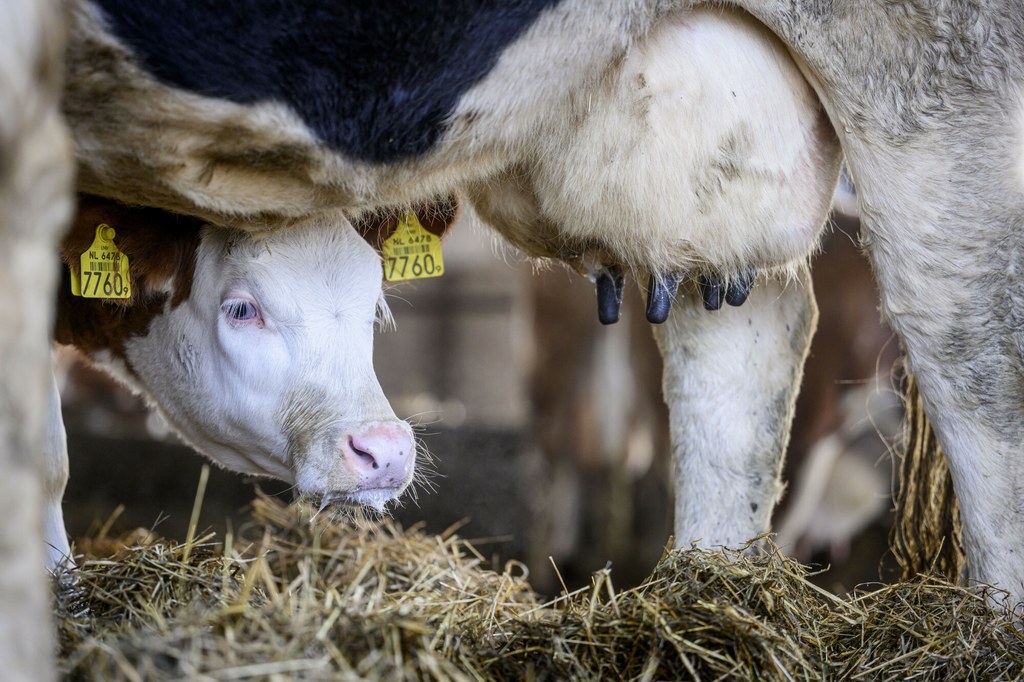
(725, 165)
(35, 203)
(1020, 144)
(228, 389)
(731, 380)
(934, 146)
(55, 479)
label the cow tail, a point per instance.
(926, 537)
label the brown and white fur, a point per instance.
(256, 348)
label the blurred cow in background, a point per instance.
(600, 428)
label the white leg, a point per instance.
(35, 206)
(731, 378)
(941, 192)
(55, 479)
(953, 288)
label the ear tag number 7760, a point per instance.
(105, 272)
(412, 252)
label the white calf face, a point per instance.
(267, 366)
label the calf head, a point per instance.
(257, 348)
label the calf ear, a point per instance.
(161, 250)
(436, 215)
(160, 246)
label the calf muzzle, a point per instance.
(381, 455)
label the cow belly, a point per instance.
(705, 149)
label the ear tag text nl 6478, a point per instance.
(104, 271)
(412, 252)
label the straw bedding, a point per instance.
(290, 597)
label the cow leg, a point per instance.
(35, 206)
(55, 480)
(952, 287)
(935, 151)
(731, 378)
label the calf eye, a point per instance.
(237, 310)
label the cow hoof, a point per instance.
(660, 292)
(610, 284)
(738, 290)
(711, 290)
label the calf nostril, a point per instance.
(363, 454)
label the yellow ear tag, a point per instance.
(104, 269)
(412, 252)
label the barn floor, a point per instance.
(288, 597)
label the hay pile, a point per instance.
(288, 598)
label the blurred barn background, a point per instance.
(547, 431)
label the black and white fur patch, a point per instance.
(374, 81)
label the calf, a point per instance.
(258, 114)
(256, 348)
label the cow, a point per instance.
(578, 115)
(233, 337)
(840, 474)
(35, 204)
(263, 114)
(753, 177)
(760, 192)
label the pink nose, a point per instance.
(382, 455)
